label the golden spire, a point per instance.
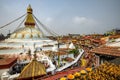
(29, 9)
(30, 22)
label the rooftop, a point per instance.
(7, 62)
(107, 50)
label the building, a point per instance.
(27, 37)
(33, 70)
(31, 40)
(108, 52)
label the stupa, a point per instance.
(29, 31)
(28, 37)
(31, 39)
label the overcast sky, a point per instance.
(65, 16)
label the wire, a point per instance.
(43, 26)
(19, 24)
(39, 29)
(11, 22)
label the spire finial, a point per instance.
(30, 22)
(29, 9)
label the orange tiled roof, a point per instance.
(69, 59)
(96, 40)
(61, 53)
(7, 62)
(114, 36)
(107, 50)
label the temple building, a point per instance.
(33, 70)
(27, 41)
(29, 31)
(29, 37)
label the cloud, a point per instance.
(83, 21)
(49, 20)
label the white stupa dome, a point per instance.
(26, 33)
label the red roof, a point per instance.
(106, 50)
(61, 53)
(114, 36)
(7, 62)
(69, 59)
